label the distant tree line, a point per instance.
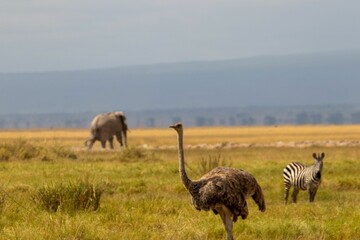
(196, 117)
(302, 118)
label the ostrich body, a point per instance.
(223, 190)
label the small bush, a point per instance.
(24, 150)
(69, 197)
(64, 152)
(211, 162)
(27, 151)
(5, 153)
(20, 149)
(133, 153)
(136, 154)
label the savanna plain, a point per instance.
(52, 187)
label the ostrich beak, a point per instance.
(171, 126)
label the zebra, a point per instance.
(303, 177)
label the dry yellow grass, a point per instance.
(206, 135)
(273, 134)
(40, 134)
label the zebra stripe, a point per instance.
(291, 173)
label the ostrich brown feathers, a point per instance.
(223, 190)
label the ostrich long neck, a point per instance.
(184, 178)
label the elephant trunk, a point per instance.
(124, 135)
(125, 128)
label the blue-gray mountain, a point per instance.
(314, 79)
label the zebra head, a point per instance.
(318, 163)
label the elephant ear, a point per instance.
(122, 119)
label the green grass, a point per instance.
(69, 197)
(143, 198)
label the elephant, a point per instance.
(103, 128)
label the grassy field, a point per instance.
(143, 198)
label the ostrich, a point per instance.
(223, 190)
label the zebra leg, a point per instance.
(286, 194)
(312, 193)
(294, 194)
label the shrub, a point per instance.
(69, 197)
(136, 154)
(24, 150)
(20, 149)
(211, 162)
(63, 152)
(5, 153)
(132, 153)
(27, 151)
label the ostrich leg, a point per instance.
(226, 215)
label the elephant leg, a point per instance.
(103, 143)
(124, 134)
(119, 138)
(111, 142)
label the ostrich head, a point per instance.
(178, 127)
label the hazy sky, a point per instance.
(43, 35)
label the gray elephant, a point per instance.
(105, 126)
